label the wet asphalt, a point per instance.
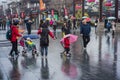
(100, 61)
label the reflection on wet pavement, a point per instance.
(100, 61)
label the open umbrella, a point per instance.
(88, 19)
(109, 18)
(48, 19)
(84, 17)
(73, 38)
(31, 36)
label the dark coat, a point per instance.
(85, 29)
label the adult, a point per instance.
(85, 30)
(54, 27)
(3, 24)
(65, 28)
(41, 24)
(109, 26)
(96, 23)
(44, 40)
(29, 23)
(113, 27)
(13, 40)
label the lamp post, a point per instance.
(116, 9)
(100, 8)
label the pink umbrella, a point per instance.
(72, 17)
(73, 38)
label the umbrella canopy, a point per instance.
(84, 17)
(48, 19)
(31, 36)
(88, 19)
(111, 18)
(73, 38)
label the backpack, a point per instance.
(44, 37)
(9, 34)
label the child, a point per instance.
(66, 44)
(30, 44)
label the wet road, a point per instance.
(101, 61)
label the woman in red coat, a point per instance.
(15, 34)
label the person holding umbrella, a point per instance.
(66, 45)
(85, 30)
(66, 41)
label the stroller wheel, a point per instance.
(37, 54)
(24, 53)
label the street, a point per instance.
(100, 61)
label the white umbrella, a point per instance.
(84, 17)
(109, 18)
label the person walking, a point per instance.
(109, 26)
(41, 24)
(96, 23)
(29, 23)
(15, 35)
(44, 40)
(113, 27)
(66, 45)
(85, 30)
(54, 27)
(65, 29)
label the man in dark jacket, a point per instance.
(15, 35)
(28, 23)
(85, 30)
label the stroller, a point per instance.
(28, 45)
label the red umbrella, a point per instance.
(78, 7)
(108, 4)
(91, 1)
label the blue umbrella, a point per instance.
(31, 36)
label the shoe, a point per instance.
(84, 48)
(68, 55)
(10, 56)
(16, 56)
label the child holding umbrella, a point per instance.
(66, 44)
(66, 41)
